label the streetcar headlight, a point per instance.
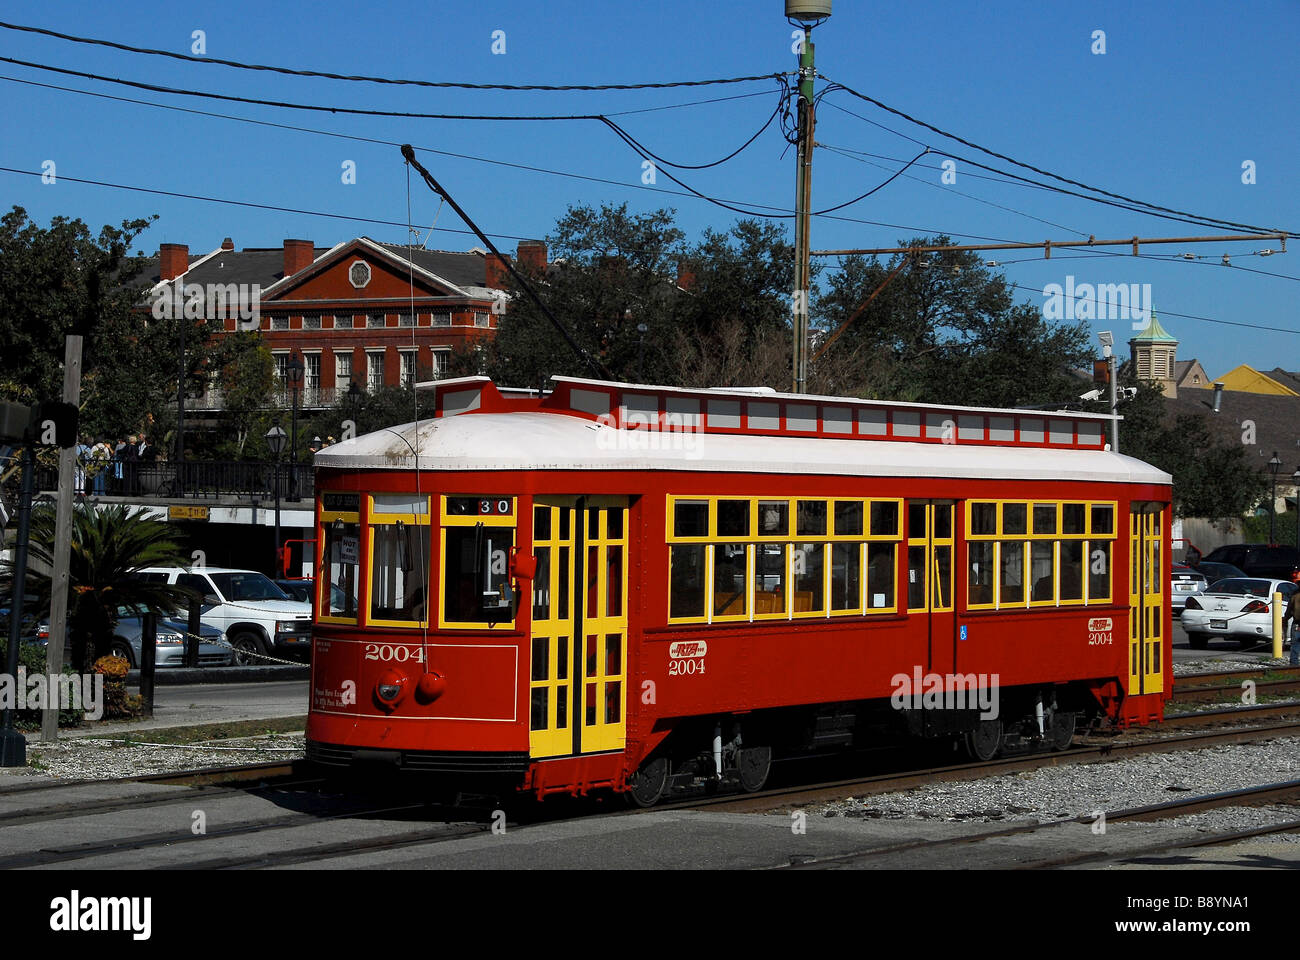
(391, 688)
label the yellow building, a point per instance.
(1247, 379)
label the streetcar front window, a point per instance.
(476, 580)
(342, 554)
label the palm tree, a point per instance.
(110, 544)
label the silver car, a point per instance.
(171, 642)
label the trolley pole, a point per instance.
(802, 209)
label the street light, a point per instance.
(293, 371)
(1274, 466)
(1107, 340)
(275, 438)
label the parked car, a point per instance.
(170, 645)
(1215, 572)
(254, 613)
(297, 589)
(1259, 559)
(1184, 582)
(1238, 609)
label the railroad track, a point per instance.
(1209, 687)
(803, 795)
(1250, 796)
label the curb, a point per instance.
(187, 675)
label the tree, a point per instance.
(62, 280)
(110, 544)
(945, 329)
(246, 376)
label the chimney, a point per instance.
(1218, 397)
(495, 270)
(227, 244)
(532, 255)
(685, 275)
(298, 255)
(174, 259)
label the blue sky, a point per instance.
(1184, 94)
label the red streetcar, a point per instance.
(648, 589)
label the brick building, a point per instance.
(361, 311)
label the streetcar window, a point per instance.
(774, 517)
(809, 577)
(733, 518)
(1011, 572)
(1071, 570)
(1042, 571)
(943, 521)
(1103, 518)
(811, 518)
(1099, 570)
(846, 576)
(916, 529)
(1073, 518)
(769, 578)
(691, 518)
(339, 597)
(979, 579)
(884, 519)
(1044, 518)
(730, 587)
(848, 518)
(916, 578)
(983, 519)
(880, 576)
(942, 578)
(399, 572)
(476, 579)
(1013, 519)
(686, 587)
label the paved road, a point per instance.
(217, 703)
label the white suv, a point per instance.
(256, 615)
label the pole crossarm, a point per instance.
(1048, 245)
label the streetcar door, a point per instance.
(578, 685)
(551, 668)
(603, 609)
(930, 547)
(1146, 614)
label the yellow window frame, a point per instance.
(326, 518)
(449, 521)
(379, 518)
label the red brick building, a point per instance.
(364, 311)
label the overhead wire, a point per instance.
(836, 86)
(360, 78)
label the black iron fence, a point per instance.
(199, 479)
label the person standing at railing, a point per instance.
(101, 455)
(83, 460)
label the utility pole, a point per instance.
(803, 187)
(62, 541)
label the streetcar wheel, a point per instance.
(246, 647)
(1062, 732)
(646, 786)
(984, 742)
(754, 763)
